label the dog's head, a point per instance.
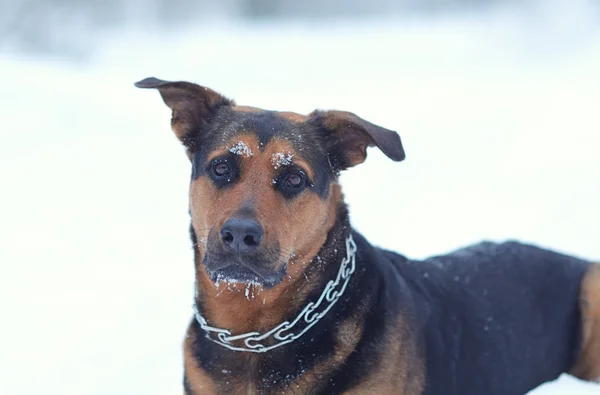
(264, 190)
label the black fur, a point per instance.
(498, 318)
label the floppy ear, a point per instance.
(193, 106)
(348, 137)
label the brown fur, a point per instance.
(187, 113)
(302, 260)
(247, 109)
(341, 120)
(198, 381)
(588, 363)
(386, 380)
(292, 116)
(348, 336)
(210, 208)
(399, 370)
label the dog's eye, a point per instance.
(292, 183)
(221, 169)
(295, 179)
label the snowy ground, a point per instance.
(499, 119)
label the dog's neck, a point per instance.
(337, 334)
(242, 308)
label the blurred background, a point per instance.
(496, 102)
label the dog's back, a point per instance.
(500, 317)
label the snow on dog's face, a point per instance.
(264, 190)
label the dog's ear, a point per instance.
(348, 136)
(193, 106)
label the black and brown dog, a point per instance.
(291, 300)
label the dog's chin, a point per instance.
(237, 273)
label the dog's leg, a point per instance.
(588, 361)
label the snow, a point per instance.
(232, 281)
(499, 119)
(279, 159)
(240, 148)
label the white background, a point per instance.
(499, 115)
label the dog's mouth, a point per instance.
(238, 274)
(260, 268)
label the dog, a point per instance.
(291, 300)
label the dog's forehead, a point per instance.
(289, 115)
(283, 127)
(270, 124)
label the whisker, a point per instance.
(220, 292)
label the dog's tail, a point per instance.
(587, 366)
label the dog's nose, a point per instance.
(242, 235)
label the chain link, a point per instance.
(282, 333)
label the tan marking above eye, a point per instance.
(279, 152)
(246, 146)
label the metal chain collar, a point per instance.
(311, 314)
